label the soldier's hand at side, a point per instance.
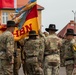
(39, 31)
(40, 64)
(74, 65)
(12, 62)
(22, 62)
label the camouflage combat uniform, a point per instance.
(33, 50)
(52, 55)
(17, 58)
(68, 53)
(6, 53)
(61, 55)
(23, 56)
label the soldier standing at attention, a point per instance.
(21, 43)
(52, 52)
(17, 58)
(23, 56)
(7, 49)
(32, 49)
(68, 51)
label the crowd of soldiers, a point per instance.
(39, 54)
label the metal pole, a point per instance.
(74, 21)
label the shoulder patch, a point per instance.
(74, 47)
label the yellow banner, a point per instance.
(30, 24)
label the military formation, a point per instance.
(39, 54)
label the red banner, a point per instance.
(7, 3)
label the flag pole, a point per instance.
(74, 21)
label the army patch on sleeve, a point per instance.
(74, 47)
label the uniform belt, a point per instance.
(31, 56)
(69, 59)
(51, 53)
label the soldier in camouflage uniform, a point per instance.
(33, 48)
(23, 56)
(68, 51)
(42, 38)
(17, 58)
(52, 52)
(7, 50)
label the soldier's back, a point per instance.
(5, 53)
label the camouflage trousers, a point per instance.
(5, 67)
(52, 65)
(69, 69)
(24, 67)
(17, 65)
(51, 70)
(33, 68)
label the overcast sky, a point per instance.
(58, 12)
